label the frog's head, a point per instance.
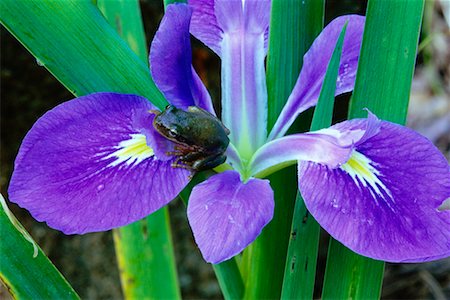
(167, 122)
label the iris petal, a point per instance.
(88, 165)
(205, 25)
(171, 61)
(307, 89)
(226, 214)
(329, 146)
(384, 202)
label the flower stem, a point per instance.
(294, 25)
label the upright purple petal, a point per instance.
(244, 92)
(384, 202)
(88, 165)
(315, 62)
(226, 214)
(171, 61)
(205, 25)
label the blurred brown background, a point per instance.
(88, 261)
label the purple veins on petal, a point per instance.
(384, 202)
(315, 62)
(209, 19)
(226, 214)
(171, 61)
(89, 165)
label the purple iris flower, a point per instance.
(96, 162)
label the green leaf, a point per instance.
(144, 249)
(167, 2)
(146, 260)
(300, 271)
(125, 17)
(76, 44)
(383, 83)
(294, 25)
(24, 269)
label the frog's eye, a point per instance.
(172, 133)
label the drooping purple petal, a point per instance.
(329, 146)
(384, 202)
(171, 61)
(88, 165)
(244, 92)
(226, 214)
(315, 62)
(205, 25)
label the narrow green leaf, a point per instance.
(294, 25)
(230, 279)
(300, 270)
(24, 269)
(76, 44)
(144, 249)
(383, 85)
(146, 260)
(167, 2)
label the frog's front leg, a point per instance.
(209, 162)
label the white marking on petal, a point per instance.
(132, 151)
(345, 138)
(361, 169)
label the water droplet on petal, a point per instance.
(334, 203)
(100, 187)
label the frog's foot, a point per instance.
(178, 163)
(191, 175)
(174, 153)
(175, 164)
(154, 111)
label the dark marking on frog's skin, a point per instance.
(201, 139)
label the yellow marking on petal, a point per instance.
(362, 171)
(131, 151)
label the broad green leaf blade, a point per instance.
(387, 59)
(24, 269)
(383, 85)
(144, 249)
(300, 270)
(125, 17)
(76, 44)
(294, 25)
